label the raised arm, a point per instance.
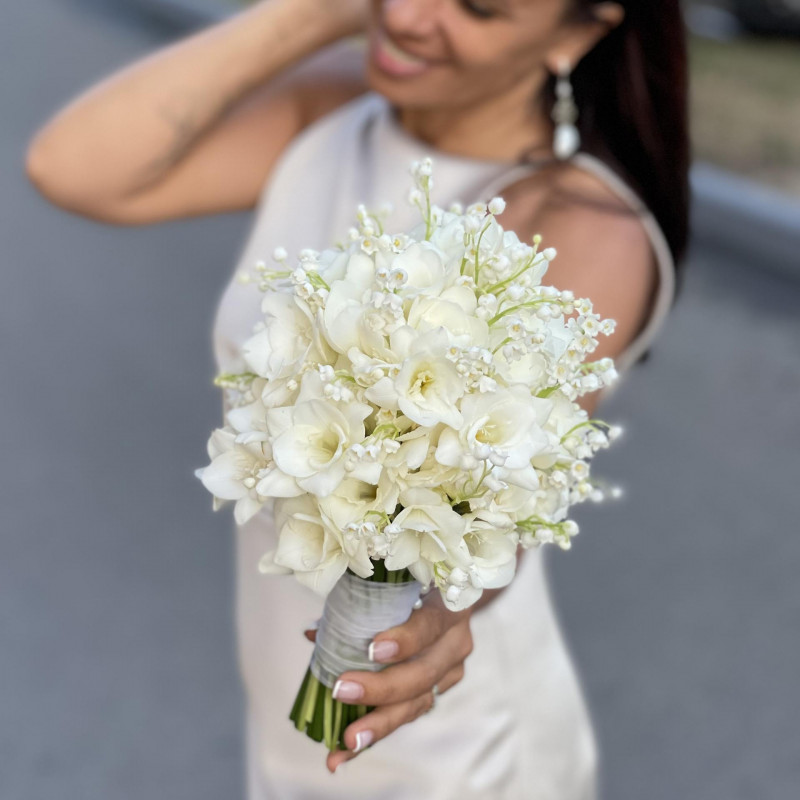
(195, 127)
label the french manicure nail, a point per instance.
(347, 690)
(363, 739)
(380, 651)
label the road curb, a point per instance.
(738, 216)
(730, 213)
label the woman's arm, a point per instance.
(195, 128)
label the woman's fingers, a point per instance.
(381, 722)
(424, 627)
(378, 724)
(311, 631)
(410, 679)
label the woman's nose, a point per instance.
(411, 17)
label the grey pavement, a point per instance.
(117, 647)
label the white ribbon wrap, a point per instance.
(355, 611)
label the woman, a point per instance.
(269, 109)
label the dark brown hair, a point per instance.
(631, 92)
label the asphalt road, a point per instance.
(117, 654)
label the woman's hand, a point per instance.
(427, 651)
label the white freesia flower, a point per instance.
(528, 368)
(454, 312)
(278, 349)
(503, 428)
(427, 531)
(359, 509)
(308, 544)
(424, 267)
(427, 385)
(492, 545)
(250, 424)
(233, 473)
(311, 441)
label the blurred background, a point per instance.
(681, 604)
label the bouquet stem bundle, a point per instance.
(315, 711)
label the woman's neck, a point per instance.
(502, 128)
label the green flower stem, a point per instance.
(478, 252)
(317, 281)
(589, 423)
(315, 712)
(233, 379)
(502, 344)
(502, 284)
(497, 317)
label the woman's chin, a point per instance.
(410, 92)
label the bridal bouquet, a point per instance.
(410, 416)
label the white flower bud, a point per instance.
(326, 372)
(497, 458)
(607, 326)
(425, 168)
(494, 484)
(570, 528)
(590, 382)
(458, 577)
(472, 224)
(452, 594)
(579, 470)
(497, 205)
(544, 535)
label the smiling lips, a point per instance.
(391, 59)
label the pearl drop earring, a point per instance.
(566, 138)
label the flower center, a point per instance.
(325, 446)
(422, 382)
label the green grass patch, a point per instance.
(745, 103)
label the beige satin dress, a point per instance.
(517, 726)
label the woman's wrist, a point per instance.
(274, 35)
(299, 28)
